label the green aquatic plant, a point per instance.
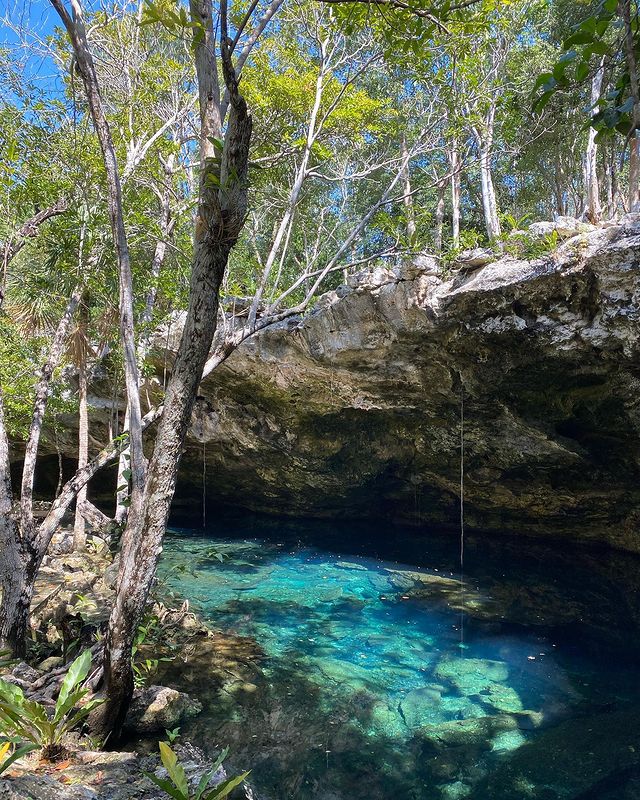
(29, 720)
(178, 787)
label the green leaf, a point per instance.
(226, 787)
(166, 786)
(589, 24)
(582, 70)
(542, 101)
(217, 143)
(175, 770)
(581, 37)
(76, 673)
(18, 753)
(202, 785)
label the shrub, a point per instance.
(30, 721)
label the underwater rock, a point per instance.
(472, 676)
(568, 760)
(157, 708)
(501, 698)
(477, 731)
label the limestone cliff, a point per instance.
(356, 409)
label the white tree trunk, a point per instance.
(454, 160)
(407, 196)
(439, 217)
(489, 204)
(79, 527)
(591, 185)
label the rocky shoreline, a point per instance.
(71, 605)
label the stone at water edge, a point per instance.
(158, 708)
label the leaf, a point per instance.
(541, 80)
(226, 787)
(216, 766)
(76, 673)
(581, 37)
(589, 24)
(18, 753)
(126, 474)
(217, 143)
(542, 101)
(202, 785)
(165, 785)
(175, 770)
(582, 70)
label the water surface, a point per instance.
(379, 671)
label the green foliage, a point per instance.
(11, 751)
(177, 785)
(525, 245)
(144, 667)
(597, 35)
(30, 721)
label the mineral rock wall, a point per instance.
(357, 409)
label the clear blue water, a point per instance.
(376, 672)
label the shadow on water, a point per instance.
(357, 686)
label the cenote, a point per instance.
(359, 664)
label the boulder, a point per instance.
(565, 227)
(158, 708)
(475, 258)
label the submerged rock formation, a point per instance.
(357, 409)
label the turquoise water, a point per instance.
(378, 671)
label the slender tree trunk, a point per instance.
(489, 204)
(439, 217)
(15, 600)
(558, 190)
(407, 196)
(20, 555)
(484, 142)
(591, 185)
(79, 527)
(455, 193)
(84, 61)
(166, 228)
(634, 172)
(221, 215)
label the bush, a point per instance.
(29, 720)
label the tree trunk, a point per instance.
(407, 196)
(634, 172)
(439, 217)
(558, 190)
(455, 195)
(591, 185)
(489, 204)
(79, 527)
(84, 62)
(221, 215)
(166, 228)
(20, 554)
(14, 608)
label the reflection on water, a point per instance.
(369, 687)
